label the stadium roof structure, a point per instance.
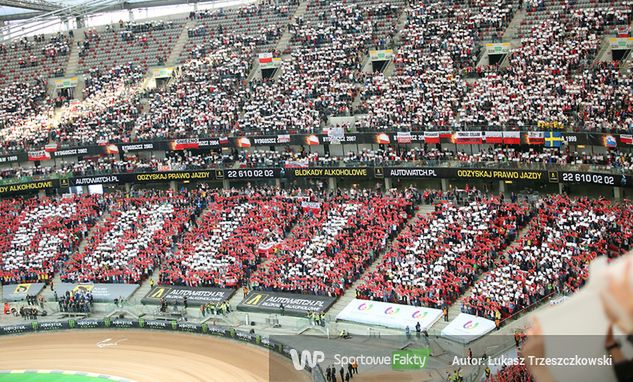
(35, 5)
(20, 18)
(25, 9)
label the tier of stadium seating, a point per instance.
(230, 239)
(312, 242)
(613, 161)
(327, 251)
(552, 256)
(551, 77)
(143, 44)
(439, 256)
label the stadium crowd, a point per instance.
(206, 97)
(550, 79)
(20, 102)
(320, 78)
(133, 239)
(39, 234)
(223, 247)
(613, 160)
(322, 75)
(552, 256)
(426, 88)
(437, 257)
(342, 234)
(108, 111)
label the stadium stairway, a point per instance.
(402, 22)
(604, 53)
(49, 294)
(350, 294)
(180, 43)
(513, 28)
(282, 44)
(455, 309)
(625, 69)
(138, 295)
(73, 60)
(284, 40)
(84, 242)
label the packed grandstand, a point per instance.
(465, 156)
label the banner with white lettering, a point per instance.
(195, 296)
(292, 304)
(468, 138)
(466, 328)
(389, 315)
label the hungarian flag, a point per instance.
(626, 139)
(39, 155)
(403, 137)
(468, 138)
(50, 147)
(112, 149)
(432, 136)
(312, 140)
(512, 137)
(382, 139)
(494, 137)
(183, 144)
(243, 143)
(536, 138)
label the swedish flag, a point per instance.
(553, 139)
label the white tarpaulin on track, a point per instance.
(466, 328)
(389, 315)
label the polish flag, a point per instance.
(512, 137)
(383, 139)
(494, 137)
(244, 142)
(626, 139)
(432, 136)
